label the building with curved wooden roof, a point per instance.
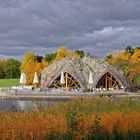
(76, 72)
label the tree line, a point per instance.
(127, 60)
(11, 68)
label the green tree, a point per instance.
(49, 57)
(80, 53)
(108, 58)
(136, 79)
(129, 50)
(11, 68)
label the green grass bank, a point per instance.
(9, 82)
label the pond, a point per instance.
(7, 104)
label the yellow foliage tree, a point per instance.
(128, 61)
(115, 57)
(73, 55)
(136, 56)
(134, 70)
(28, 65)
(62, 52)
(2, 62)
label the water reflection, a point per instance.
(25, 105)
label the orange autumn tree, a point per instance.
(40, 66)
(136, 56)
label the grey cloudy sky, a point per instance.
(41, 26)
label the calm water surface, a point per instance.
(25, 105)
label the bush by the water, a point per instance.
(100, 119)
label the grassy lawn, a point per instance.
(9, 82)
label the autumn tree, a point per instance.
(40, 66)
(136, 56)
(2, 62)
(61, 53)
(28, 65)
(2, 74)
(127, 60)
(73, 55)
(134, 71)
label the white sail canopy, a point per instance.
(62, 80)
(90, 81)
(22, 78)
(35, 81)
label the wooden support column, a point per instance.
(106, 81)
(66, 81)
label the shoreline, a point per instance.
(26, 95)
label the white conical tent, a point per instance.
(90, 81)
(62, 79)
(22, 78)
(35, 81)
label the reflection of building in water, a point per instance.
(76, 74)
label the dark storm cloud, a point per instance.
(42, 26)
